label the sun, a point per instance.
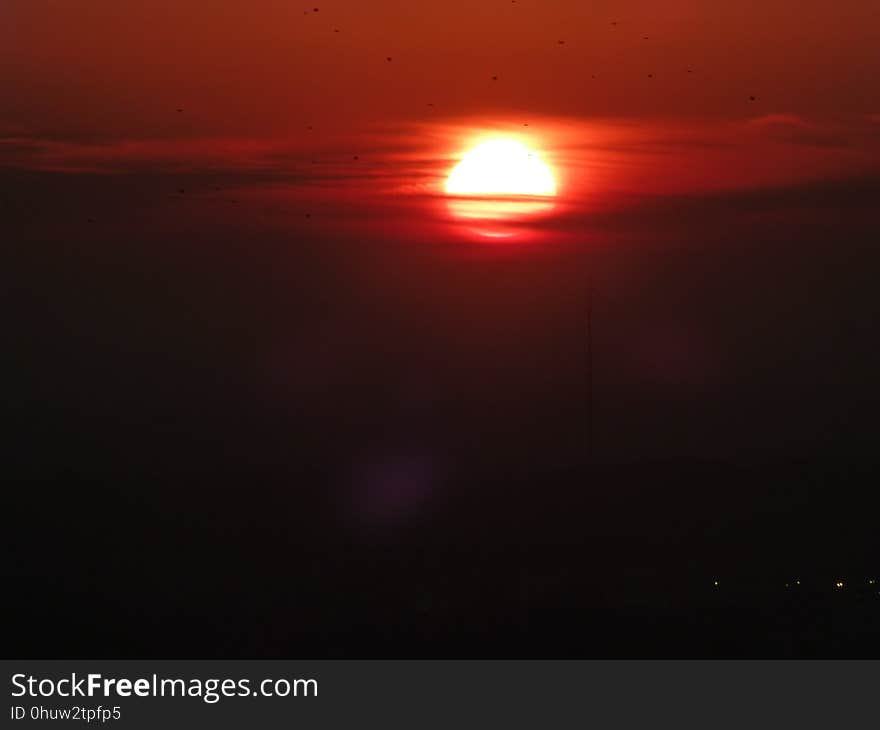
(501, 167)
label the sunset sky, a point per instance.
(107, 70)
(638, 97)
(732, 146)
(243, 313)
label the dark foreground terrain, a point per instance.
(235, 431)
(535, 566)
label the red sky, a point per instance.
(238, 306)
(641, 98)
(192, 266)
(105, 68)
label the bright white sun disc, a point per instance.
(501, 167)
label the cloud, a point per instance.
(593, 158)
(794, 129)
(143, 155)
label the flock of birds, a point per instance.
(560, 42)
(431, 105)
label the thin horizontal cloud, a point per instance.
(592, 157)
(138, 155)
(795, 129)
(851, 195)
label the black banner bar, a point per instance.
(415, 694)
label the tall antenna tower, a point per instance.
(589, 434)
